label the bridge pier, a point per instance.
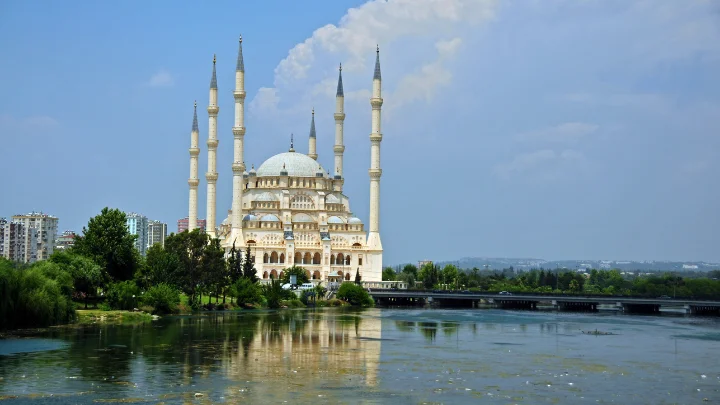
(640, 308)
(399, 301)
(515, 304)
(702, 309)
(575, 306)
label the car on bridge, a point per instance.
(665, 297)
(505, 293)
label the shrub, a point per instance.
(295, 303)
(355, 295)
(163, 298)
(246, 291)
(123, 295)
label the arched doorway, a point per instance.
(347, 276)
(298, 258)
(282, 257)
(273, 257)
(316, 258)
(265, 275)
(273, 274)
(307, 259)
(340, 259)
(265, 258)
(307, 273)
(282, 273)
(316, 275)
(332, 259)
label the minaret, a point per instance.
(193, 181)
(312, 148)
(375, 172)
(339, 147)
(211, 176)
(238, 166)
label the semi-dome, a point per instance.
(354, 220)
(302, 217)
(266, 196)
(332, 199)
(335, 220)
(270, 218)
(250, 217)
(296, 165)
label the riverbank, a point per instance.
(93, 316)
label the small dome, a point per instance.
(335, 220)
(332, 199)
(354, 220)
(245, 173)
(270, 218)
(266, 196)
(302, 217)
(250, 217)
(226, 221)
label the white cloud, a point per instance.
(568, 132)
(545, 164)
(265, 100)
(353, 41)
(162, 78)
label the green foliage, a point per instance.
(213, 273)
(388, 274)
(108, 243)
(123, 295)
(161, 266)
(358, 279)
(274, 293)
(248, 266)
(87, 275)
(246, 291)
(293, 303)
(300, 272)
(430, 275)
(449, 274)
(188, 248)
(234, 265)
(355, 295)
(411, 269)
(36, 296)
(164, 298)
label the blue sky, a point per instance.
(551, 129)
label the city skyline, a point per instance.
(591, 140)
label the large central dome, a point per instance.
(296, 165)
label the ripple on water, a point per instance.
(10, 347)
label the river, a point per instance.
(374, 356)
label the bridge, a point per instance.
(530, 301)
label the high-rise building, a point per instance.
(3, 223)
(182, 224)
(157, 231)
(66, 240)
(46, 227)
(137, 224)
(18, 242)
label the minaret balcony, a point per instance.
(339, 116)
(375, 173)
(375, 137)
(376, 102)
(193, 182)
(239, 95)
(238, 131)
(238, 168)
(211, 177)
(194, 151)
(212, 143)
(339, 148)
(213, 109)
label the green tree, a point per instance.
(161, 266)
(357, 276)
(235, 265)
(189, 248)
(449, 274)
(108, 243)
(87, 275)
(354, 294)
(430, 275)
(213, 277)
(274, 293)
(246, 291)
(410, 269)
(388, 274)
(248, 266)
(164, 298)
(300, 272)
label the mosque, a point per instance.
(290, 211)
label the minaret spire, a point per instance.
(339, 147)
(193, 181)
(211, 176)
(312, 149)
(375, 172)
(238, 165)
(292, 148)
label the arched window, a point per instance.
(347, 260)
(282, 273)
(307, 273)
(265, 258)
(347, 277)
(273, 274)
(282, 257)
(316, 258)
(273, 257)
(316, 275)
(298, 258)
(265, 275)
(307, 259)
(340, 259)
(332, 259)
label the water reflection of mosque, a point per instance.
(305, 347)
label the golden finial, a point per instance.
(195, 104)
(214, 60)
(241, 38)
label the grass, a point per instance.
(92, 316)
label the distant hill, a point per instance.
(527, 264)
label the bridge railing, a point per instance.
(542, 294)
